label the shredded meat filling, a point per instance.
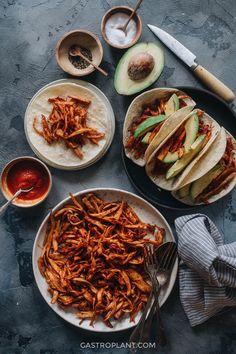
(225, 177)
(176, 144)
(93, 258)
(68, 122)
(136, 147)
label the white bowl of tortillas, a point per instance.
(100, 116)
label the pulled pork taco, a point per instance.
(219, 180)
(150, 118)
(174, 159)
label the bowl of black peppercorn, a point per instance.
(89, 45)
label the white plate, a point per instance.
(147, 213)
(72, 162)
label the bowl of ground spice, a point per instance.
(88, 44)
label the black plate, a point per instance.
(217, 109)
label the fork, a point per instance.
(166, 260)
(152, 268)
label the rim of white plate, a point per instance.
(40, 279)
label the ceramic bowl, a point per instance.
(6, 192)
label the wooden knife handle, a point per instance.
(214, 84)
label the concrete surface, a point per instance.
(29, 31)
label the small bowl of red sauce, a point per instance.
(24, 173)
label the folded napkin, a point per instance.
(208, 272)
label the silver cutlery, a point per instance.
(160, 265)
(152, 268)
(166, 256)
(4, 206)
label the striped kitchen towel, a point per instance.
(207, 273)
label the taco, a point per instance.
(175, 158)
(151, 118)
(219, 180)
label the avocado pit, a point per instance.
(140, 66)
(127, 76)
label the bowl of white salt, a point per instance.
(113, 20)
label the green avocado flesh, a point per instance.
(124, 85)
(145, 139)
(171, 157)
(180, 164)
(184, 191)
(191, 127)
(148, 125)
(172, 105)
(199, 185)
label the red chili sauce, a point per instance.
(27, 174)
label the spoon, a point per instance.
(4, 206)
(124, 27)
(76, 52)
(165, 258)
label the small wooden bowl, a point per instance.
(127, 10)
(84, 39)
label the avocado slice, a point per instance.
(191, 127)
(145, 139)
(184, 191)
(172, 105)
(148, 124)
(200, 184)
(180, 164)
(171, 157)
(123, 83)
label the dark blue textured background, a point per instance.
(29, 31)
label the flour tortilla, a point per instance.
(57, 153)
(173, 183)
(211, 157)
(174, 119)
(205, 164)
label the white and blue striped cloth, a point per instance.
(207, 273)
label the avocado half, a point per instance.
(124, 85)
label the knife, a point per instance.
(189, 59)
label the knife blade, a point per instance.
(189, 59)
(175, 46)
